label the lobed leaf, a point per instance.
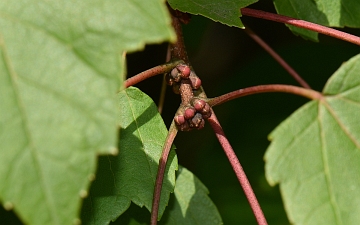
(315, 154)
(224, 11)
(334, 13)
(130, 176)
(191, 204)
(60, 67)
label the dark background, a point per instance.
(226, 59)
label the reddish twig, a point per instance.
(178, 50)
(240, 174)
(277, 57)
(160, 174)
(151, 72)
(302, 24)
(307, 93)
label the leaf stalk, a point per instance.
(239, 171)
(302, 24)
(161, 171)
(307, 93)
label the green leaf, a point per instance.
(223, 11)
(60, 67)
(130, 176)
(315, 154)
(191, 204)
(334, 13)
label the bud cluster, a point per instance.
(182, 71)
(193, 116)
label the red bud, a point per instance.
(184, 71)
(179, 119)
(195, 82)
(189, 113)
(199, 104)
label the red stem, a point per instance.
(151, 72)
(307, 93)
(239, 171)
(277, 57)
(302, 24)
(160, 174)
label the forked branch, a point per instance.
(187, 87)
(302, 24)
(161, 69)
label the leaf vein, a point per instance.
(342, 126)
(67, 99)
(325, 160)
(56, 38)
(140, 135)
(291, 143)
(31, 144)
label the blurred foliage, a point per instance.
(226, 59)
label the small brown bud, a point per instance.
(206, 109)
(175, 75)
(206, 115)
(201, 125)
(184, 127)
(196, 120)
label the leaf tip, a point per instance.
(270, 137)
(77, 221)
(83, 193)
(8, 206)
(272, 182)
(114, 151)
(91, 177)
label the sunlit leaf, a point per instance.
(60, 67)
(223, 11)
(130, 176)
(315, 154)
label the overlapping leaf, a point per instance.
(192, 204)
(224, 11)
(130, 176)
(315, 154)
(334, 13)
(59, 72)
